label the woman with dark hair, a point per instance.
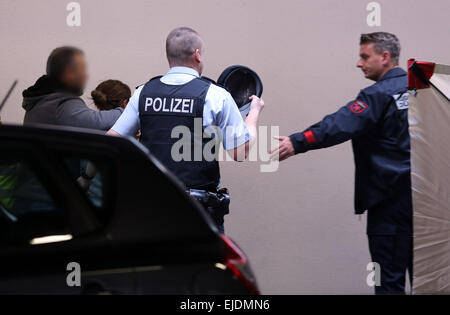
(107, 95)
(111, 94)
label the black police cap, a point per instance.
(242, 82)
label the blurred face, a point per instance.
(75, 76)
(372, 64)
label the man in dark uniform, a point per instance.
(377, 123)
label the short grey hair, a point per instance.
(181, 45)
(383, 42)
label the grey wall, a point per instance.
(296, 224)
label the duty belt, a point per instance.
(216, 203)
(209, 198)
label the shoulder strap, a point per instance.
(209, 80)
(154, 78)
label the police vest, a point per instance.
(164, 109)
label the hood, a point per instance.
(44, 87)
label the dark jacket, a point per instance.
(377, 123)
(46, 103)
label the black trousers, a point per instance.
(218, 216)
(390, 234)
(394, 255)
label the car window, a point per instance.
(27, 210)
(100, 189)
(88, 176)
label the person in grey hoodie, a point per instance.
(55, 97)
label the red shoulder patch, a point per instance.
(358, 107)
(310, 137)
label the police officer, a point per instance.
(376, 122)
(182, 98)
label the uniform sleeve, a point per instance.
(351, 120)
(128, 124)
(232, 125)
(75, 113)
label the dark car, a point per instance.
(134, 231)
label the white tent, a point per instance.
(429, 119)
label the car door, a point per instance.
(48, 224)
(137, 231)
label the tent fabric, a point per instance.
(419, 80)
(429, 123)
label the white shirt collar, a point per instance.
(183, 70)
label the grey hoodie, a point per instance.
(44, 106)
